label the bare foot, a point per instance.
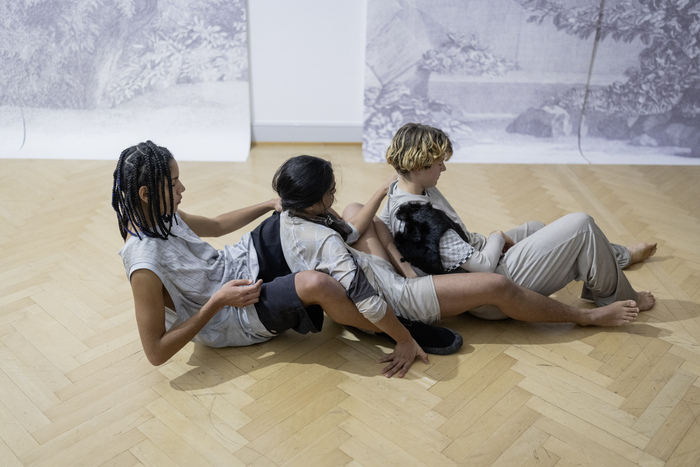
(641, 252)
(615, 314)
(645, 300)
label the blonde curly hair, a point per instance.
(416, 147)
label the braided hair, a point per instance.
(143, 165)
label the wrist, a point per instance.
(403, 337)
(214, 305)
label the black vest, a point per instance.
(266, 238)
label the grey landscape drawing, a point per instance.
(87, 78)
(551, 81)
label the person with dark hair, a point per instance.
(429, 234)
(186, 290)
(315, 238)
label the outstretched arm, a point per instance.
(365, 216)
(159, 344)
(230, 221)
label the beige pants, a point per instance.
(570, 248)
(546, 258)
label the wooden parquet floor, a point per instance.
(76, 388)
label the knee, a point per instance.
(536, 225)
(351, 209)
(500, 287)
(580, 219)
(315, 287)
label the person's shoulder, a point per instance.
(298, 229)
(133, 242)
(137, 250)
(181, 218)
(393, 187)
(436, 197)
(402, 197)
(433, 191)
(127, 247)
(288, 222)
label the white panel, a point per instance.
(307, 65)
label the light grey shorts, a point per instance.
(413, 299)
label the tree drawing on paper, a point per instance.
(89, 54)
(665, 84)
(406, 99)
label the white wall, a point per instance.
(307, 69)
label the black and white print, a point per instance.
(87, 78)
(538, 81)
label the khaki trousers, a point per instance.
(546, 258)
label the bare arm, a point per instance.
(159, 344)
(230, 221)
(406, 349)
(365, 216)
(402, 267)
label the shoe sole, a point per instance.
(454, 347)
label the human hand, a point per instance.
(276, 204)
(387, 183)
(239, 293)
(509, 242)
(401, 359)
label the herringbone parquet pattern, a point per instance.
(77, 389)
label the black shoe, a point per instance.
(432, 339)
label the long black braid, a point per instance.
(143, 165)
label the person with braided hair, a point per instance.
(430, 235)
(186, 290)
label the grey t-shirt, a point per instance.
(192, 271)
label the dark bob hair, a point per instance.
(302, 181)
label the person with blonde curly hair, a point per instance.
(430, 235)
(415, 147)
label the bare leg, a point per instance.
(369, 241)
(460, 292)
(377, 241)
(641, 252)
(317, 288)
